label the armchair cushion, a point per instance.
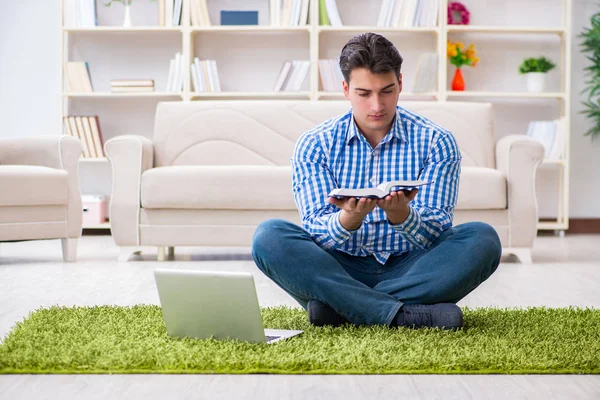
(27, 185)
(226, 187)
(482, 189)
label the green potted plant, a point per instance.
(535, 70)
(591, 46)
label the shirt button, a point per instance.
(372, 180)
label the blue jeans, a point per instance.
(362, 290)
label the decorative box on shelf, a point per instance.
(239, 17)
(94, 209)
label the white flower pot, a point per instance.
(127, 21)
(536, 81)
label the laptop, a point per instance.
(221, 305)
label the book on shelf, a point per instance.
(175, 78)
(199, 13)
(331, 75)
(77, 77)
(205, 76)
(177, 11)
(170, 12)
(131, 85)
(333, 14)
(408, 13)
(80, 14)
(131, 89)
(239, 17)
(378, 192)
(551, 134)
(323, 18)
(87, 130)
(292, 76)
(131, 82)
(426, 74)
(288, 12)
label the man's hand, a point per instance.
(395, 205)
(353, 210)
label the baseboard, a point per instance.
(584, 225)
(576, 225)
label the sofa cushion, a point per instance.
(28, 185)
(249, 187)
(481, 189)
(253, 187)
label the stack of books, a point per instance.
(288, 12)
(131, 85)
(426, 74)
(199, 13)
(551, 134)
(80, 13)
(331, 75)
(205, 77)
(175, 78)
(170, 12)
(87, 130)
(408, 13)
(292, 76)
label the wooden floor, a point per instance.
(566, 271)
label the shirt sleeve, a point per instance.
(312, 180)
(432, 210)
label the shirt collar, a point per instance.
(397, 129)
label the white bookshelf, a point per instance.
(249, 59)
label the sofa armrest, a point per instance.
(129, 157)
(517, 157)
(59, 152)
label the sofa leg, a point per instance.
(522, 253)
(69, 249)
(160, 255)
(171, 252)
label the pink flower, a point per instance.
(458, 8)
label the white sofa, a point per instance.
(39, 190)
(215, 169)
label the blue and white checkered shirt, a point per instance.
(335, 154)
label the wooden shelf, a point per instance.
(248, 95)
(504, 29)
(252, 28)
(340, 95)
(357, 29)
(123, 29)
(126, 94)
(233, 44)
(517, 95)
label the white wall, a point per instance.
(30, 68)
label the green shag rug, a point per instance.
(112, 339)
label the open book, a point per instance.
(378, 192)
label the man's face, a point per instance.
(373, 98)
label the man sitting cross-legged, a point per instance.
(396, 261)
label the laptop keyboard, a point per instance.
(269, 338)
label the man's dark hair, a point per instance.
(370, 51)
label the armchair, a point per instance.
(39, 190)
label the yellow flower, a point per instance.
(471, 47)
(470, 53)
(474, 62)
(454, 53)
(460, 45)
